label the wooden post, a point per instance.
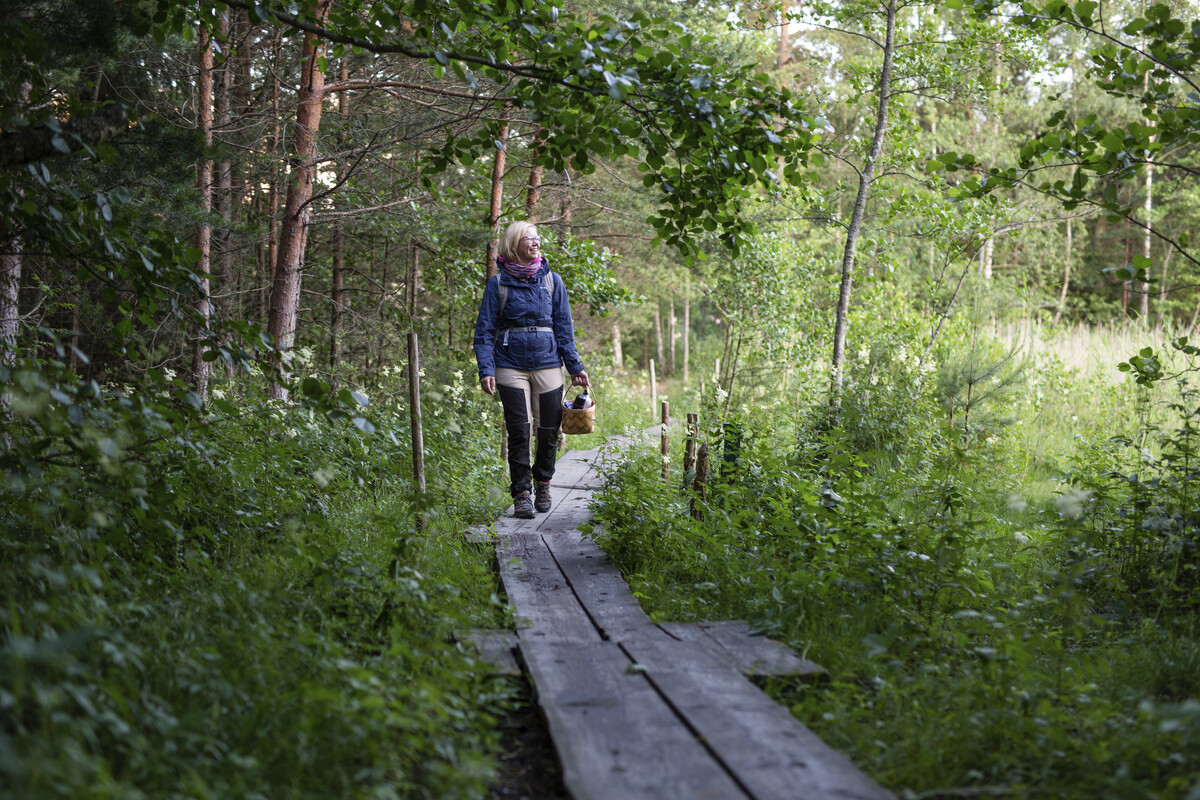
(700, 484)
(418, 436)
(689, 448)
(666, 435)
(653, 388)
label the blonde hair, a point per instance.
(513, 235)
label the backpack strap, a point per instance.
(502, 290)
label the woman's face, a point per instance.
(529, 248)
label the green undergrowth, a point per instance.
(248, 608)
(984, 634)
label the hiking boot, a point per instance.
(523, 506)
(541, 495)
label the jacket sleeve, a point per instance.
(564, 328)
(485, 329)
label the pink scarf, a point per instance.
(521, 272)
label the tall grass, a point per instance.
(1005, 606)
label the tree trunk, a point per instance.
(10, 285)
(414, 282)
(536, 172)
(11, 263)
(273, 191)
(201, 369)
(223, 199)
(293, 228)
(1062, 296)
(337, 292)
(985, 258)
(618, 356)
(497, 200)
(1147, 237)
(1125, 285)
(860, 205)
(1147, 240)
(566, 207)
(671, 337)
(1162, 285)
(658, 333)
(687, 331)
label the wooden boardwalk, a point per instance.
(638, 710)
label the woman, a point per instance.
(523, 336)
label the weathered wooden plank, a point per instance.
(616, 738)
(574, 467)
(752, 654)
(542, 599)
(496, 647)
(771, 754)
(600, 589)
(570, 511)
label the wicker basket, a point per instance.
(577, 421)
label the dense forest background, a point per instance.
(925, 270)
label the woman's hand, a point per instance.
(580, 379)
(488, 384)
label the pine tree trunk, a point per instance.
(536, 173)
(860, 206)
(293, 228)
(497, 199)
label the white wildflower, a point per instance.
(1017, 504)
(323, 476)
(1070, 503)
(1021, 537)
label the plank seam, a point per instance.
(591, 618)
(682, 717)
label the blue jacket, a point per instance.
(529, 305)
